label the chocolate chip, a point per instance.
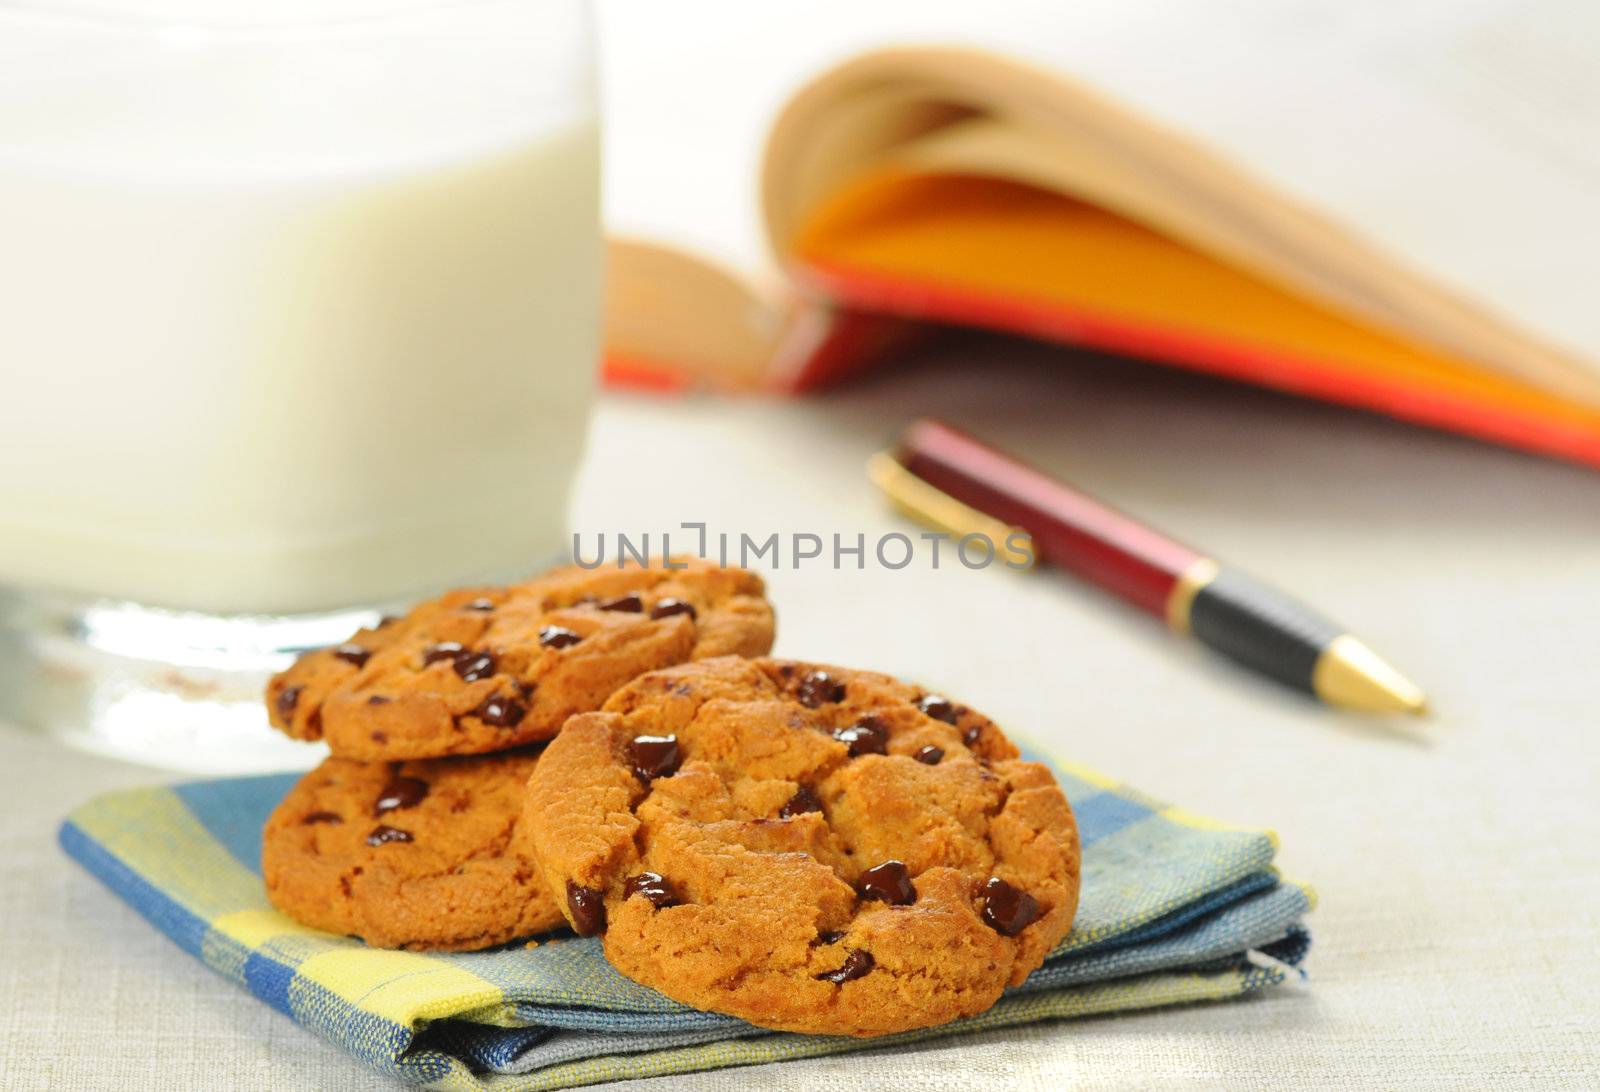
(587, 908)
(938, 708)
(929, 755)
(1007, 910)
(668, 607)
(654, 887)
(819, 688)
(558, 637)
(475, 666)
(867, 736)
(802, 801)
(629, 603)
(382, 834)
(332, 817)
(832, 936)
(444, 650)
(377, 699)
(353, 654)
(890, 881)
(502, 712)
(972, 734)
(288, 698)
(654, 756)
(483, 605)
(856, 964)
(400, 792)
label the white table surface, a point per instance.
(1458, 866)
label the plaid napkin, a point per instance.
(1175, 908)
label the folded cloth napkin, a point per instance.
(1175, 908)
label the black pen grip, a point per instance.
(1261, 628)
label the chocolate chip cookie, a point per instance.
(420, 855)
(483, 669)
(810, 848)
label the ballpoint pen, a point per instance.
(948, 479)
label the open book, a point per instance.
(1450, 281)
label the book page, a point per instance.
(1462, 137)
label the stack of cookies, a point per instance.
(807, 847)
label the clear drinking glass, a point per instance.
(299, 318)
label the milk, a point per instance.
(290, 322)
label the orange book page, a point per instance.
(1003, 254)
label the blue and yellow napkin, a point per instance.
(1175, 908)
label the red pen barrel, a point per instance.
(1069, 529)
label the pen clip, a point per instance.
(933, 507)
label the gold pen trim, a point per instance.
(1352, 676)
(1180, 600)
(933, 507)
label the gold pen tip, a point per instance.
(1350, 675)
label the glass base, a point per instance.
(172, 689)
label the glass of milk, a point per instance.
(299, 320)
